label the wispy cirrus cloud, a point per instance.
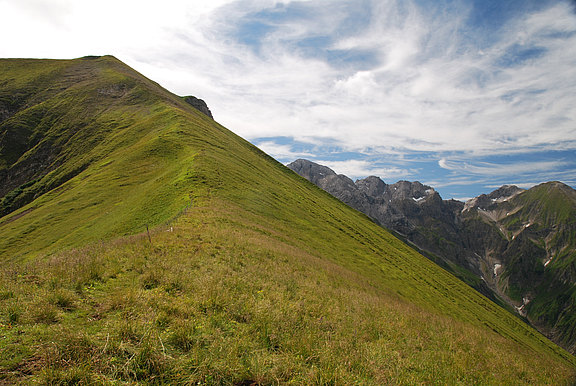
(407, 79)
(362, 168)
(523, 172)
(283, 151)
(499, 169)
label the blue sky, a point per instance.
(463, 95)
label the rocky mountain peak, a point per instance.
(505, 192)
(311, 171)
(407, 190)
(487, 201)
(373, 186)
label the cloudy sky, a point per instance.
(463, 95)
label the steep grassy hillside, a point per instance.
(516, 246)
(77, 139)
(250, 274)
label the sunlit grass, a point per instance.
(218, 302)
(249, 274)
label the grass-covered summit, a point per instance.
(249, 273)
(90, 150)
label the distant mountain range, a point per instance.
(516, 246)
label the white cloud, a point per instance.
(67, 28)
(430, 82)
(413, 100)
(282, 151)
(509, 169)
(361, 169)
(430, 91)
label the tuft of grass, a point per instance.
(63, 299)
(45, 313)
(13, 314)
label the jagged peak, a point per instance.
(311, 170)
(410, 190)
(502, 194)
(505, 192)
(373, 186)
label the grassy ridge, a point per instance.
(112, 136)
(262, 278)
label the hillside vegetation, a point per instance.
(249, 274)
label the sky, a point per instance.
(461, 95)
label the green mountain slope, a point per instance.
(78, 138)
(249, 275)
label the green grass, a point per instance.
(105, 148)
(250, 275)
(221, 301)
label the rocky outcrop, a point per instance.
(198, 104)
(415, 211)
(516, 246)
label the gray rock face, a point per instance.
(199, 105)
(403, 207)
(488, 201)
(340, 186)
(372, 186)
(311, 171)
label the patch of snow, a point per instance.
(418, 199)
(496, 268)
(521, 309)
(429, 191)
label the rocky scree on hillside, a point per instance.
(518, 247)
